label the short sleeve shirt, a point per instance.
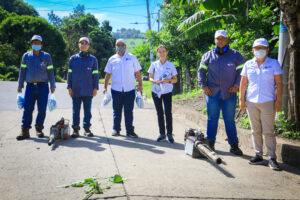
(261, 87)
(161, 71)
(122, 70)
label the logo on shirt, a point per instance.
(128, 59)
(89, 68)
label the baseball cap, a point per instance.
(261, 41)
(36, 37)
(84, 39)
(220, 33)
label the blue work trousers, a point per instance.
(37, 92)
(228, 106)
(87, 105)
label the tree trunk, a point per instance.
(291, 19)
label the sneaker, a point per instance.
(161, 138)
(24, 134)
(115, 133)
(256, 160)
(273, 164)
(75, 133)
(235, 149)
(39, 132)
(88, 133)
(170, 138)
(132, 135)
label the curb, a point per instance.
(287, 151)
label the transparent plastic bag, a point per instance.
(20, 100)
(139, 100)
(52, 102)
(106, 99)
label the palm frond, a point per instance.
(207, 25)
(191, 20)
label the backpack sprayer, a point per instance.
(197, 147)
(60, 130)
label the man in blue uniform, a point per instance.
(83, 84)
(219, 77)
(37, 70)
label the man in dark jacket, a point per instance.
(83, 83)
(219, 76)
(37, 70)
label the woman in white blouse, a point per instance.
(163, 74)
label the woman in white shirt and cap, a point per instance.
(261, 74)
(163, 74)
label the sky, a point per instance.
(119, 13)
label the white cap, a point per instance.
(220, 33)
(261, 41)
(36, 37)
(120, 40)
(84, 39)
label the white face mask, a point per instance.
(261, 53)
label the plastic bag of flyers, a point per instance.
(51, 102)
(20, 100)
(139, 100)
(106, 99)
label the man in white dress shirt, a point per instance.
(122, 68)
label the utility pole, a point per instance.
(284, 60)
(149, 26)
(158, 20)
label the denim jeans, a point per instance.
(35, 93)
(165, 99)
(120, 100)
(214, 105)
(87, 105)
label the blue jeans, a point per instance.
(87, 105)
(158, 102)
(120, 100)
(214, 104)
(35, 93)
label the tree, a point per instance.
(291, 20)
(54, 19)
(17, 32)
(19, 7)
(79, 24)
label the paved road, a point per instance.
(31, 169)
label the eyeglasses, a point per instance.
(82, 44)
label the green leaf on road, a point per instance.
(88, 180)
(77, 184)
(88, 190)
(115, 179)
(62, 186)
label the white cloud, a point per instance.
(99, 16)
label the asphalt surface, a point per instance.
(31, 169)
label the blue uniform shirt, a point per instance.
(261, 87)
(36, 69)
(220, 72)
(83, 75)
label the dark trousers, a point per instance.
(120, 100)
(165, 99)
(35, 93)
(87, 105)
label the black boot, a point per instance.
(75, 132)
(235, 149)
(88, 132)
(39, 132)
(24, 134)
(211, 144)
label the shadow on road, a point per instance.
(80, 142)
